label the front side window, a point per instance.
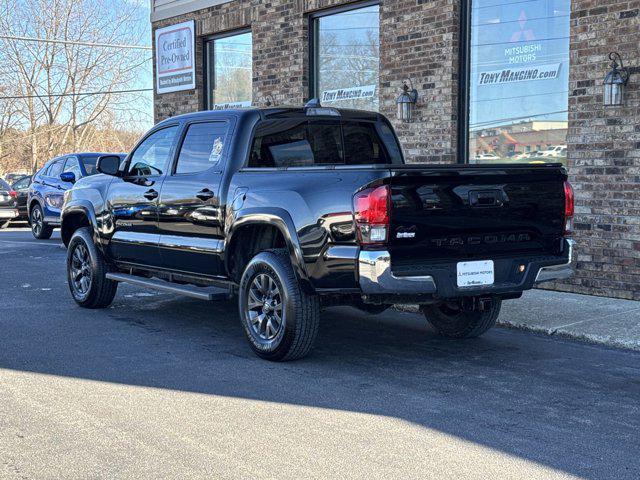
(303, 143)
(229, 72)
(56, 169)
(202, 148)
(73, 166)
(347, 58)
(519, 79)
(153, 155)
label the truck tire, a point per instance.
(279, 319)
(39, 228)
(86, 272)
(452, 321)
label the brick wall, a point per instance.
(604, 151)
(418, 39)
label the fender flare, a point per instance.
(278, 218)
(86, 208)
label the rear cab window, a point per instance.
(304, 142)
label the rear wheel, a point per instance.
(86, 272)
(39, 228)
(279, 318)
(452, 319)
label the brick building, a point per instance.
(497, 80)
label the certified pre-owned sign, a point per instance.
(175, 69)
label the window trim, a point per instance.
(183, 135)
(208, 66)
(313, 30)
(464, 81)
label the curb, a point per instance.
(551, 332)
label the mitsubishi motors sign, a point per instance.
(175, 65)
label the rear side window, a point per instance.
(300, 143)
(202, 148)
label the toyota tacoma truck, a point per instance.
(296, 209)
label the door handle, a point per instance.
(151, 194)
(205, 194)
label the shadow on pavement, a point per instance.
(572, 407)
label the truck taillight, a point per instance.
(371, 212)
(569, 208)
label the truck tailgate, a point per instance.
(475, 212)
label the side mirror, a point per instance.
(68, 177)
(108, 164)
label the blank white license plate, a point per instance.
(475, 274)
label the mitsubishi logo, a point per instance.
(523, 34)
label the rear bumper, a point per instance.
(377, 278)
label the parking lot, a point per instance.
(164, 386)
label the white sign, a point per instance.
(475, 274)
(352, 93)
(231, 105)
(175, 66)
(520, 74)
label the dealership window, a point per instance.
(518, 81)
(346, 47)
(229, 71)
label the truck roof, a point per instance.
(275, 112)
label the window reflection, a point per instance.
(230, 71)
(519, 81)
(347, 47)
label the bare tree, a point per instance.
(57, 79)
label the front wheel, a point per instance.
(86, 272)
(39, 229)
(451, 319)
(279, 318)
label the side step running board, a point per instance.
(202, 293)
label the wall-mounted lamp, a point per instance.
(615, 82)
(406, 101)
(269, 100)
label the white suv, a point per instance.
(554, 151)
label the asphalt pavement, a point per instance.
(161, 386)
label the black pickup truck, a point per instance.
(295, 209)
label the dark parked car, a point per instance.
(21, 186)
(49, 184)
(10, 178)
(300, 208)
(8, 204)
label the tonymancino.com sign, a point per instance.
(175, 66)
(520, 74)
(351, 93)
